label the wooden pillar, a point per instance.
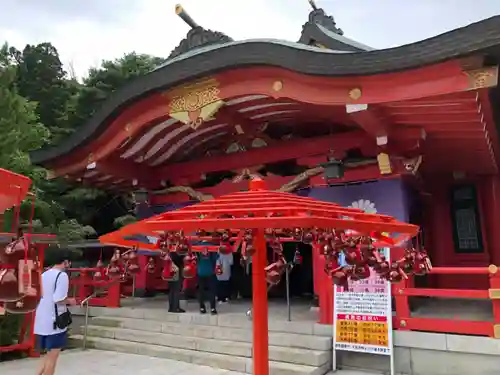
(489, 191)
(325, 292)
(260, 307)
(141, 279)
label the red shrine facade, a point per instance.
(416, 128)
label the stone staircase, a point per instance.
(223, 341)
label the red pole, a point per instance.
(495, 286)
(260, 309)
(316, 268)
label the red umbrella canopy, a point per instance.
(259, 208)
(13, 189)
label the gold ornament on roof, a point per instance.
(482, 78)
(196, 103)
(278, 85)
(355, 93)
(384, 163)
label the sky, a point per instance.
(85, 32)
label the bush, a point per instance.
(9, 329)
(9, 333)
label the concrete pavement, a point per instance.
(96, 362)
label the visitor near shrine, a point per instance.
(207, 281)
(224, 279)
(52, 317)
(175, 286)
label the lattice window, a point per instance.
(467, 232)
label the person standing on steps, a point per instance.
(175, 286)
(207, 281)
(224, 279)
(52, 317)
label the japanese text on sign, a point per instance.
(363, 316)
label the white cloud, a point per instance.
(108, 29)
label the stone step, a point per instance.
(241, 349)
(291, 340)
(222, 320)
(222, 361)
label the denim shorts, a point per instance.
(55, 341)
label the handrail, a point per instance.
(86, 300)
(85, 327)
(404, 320)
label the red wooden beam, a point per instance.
(367, 119)
(250, 130)
(362, 226)
(361, 173)
(443, 117)
(464, 327)
(287, 150)
(128, 170)
(151, 177)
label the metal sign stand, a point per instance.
(368, 348)
(288, 268)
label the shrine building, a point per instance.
(414, 129)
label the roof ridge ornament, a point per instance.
(197, 37)
(179, 10)
(313, 4)
(318, 16)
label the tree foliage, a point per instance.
(41, 106)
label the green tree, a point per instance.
(21, 133)
(100, 83)
(110, 76)
(41, 79)
(21, 130)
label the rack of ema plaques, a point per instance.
(264, 217)
(21, 263)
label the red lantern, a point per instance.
(9, 290)
(170, 272)
(308, 237)
(183, 247)
(115, 268)
(361, 272)
(226, 236)
(189, 270)
(297, 234)
(225, 248)
(276, 246)
(29, 288)
(247, 250)
(423, 264)
(218, 269)
(275, 270)
(151, 266)
(15, 251)
(339, 275)
(353, 256)
(132, 265)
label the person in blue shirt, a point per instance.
(207, 281)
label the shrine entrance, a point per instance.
(300, 275)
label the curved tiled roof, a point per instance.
(479, 38)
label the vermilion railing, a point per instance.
(83, 283)
(405, 321)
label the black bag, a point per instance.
(64, 320)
